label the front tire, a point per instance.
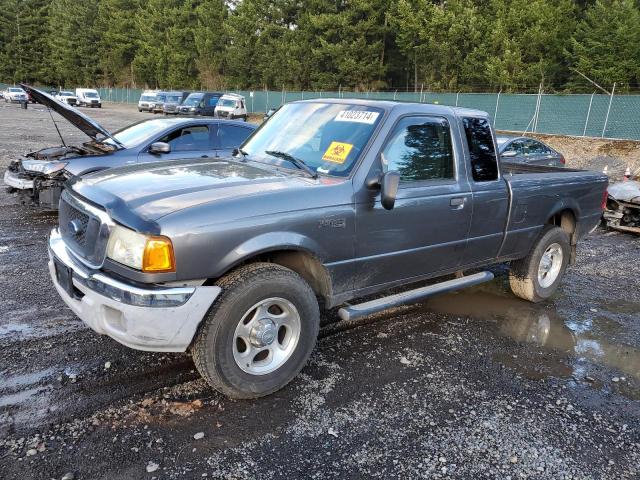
(537, 276)
(259, 333)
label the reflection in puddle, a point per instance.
(588, 338)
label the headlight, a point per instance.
(192, 109)
(45, 168)
(142, 252)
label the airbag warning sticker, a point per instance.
(357, 116)
(337, 152)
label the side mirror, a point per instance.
(389, 183)
(159, 147)
(509, 154)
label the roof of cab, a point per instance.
(402, 105)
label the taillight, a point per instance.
(604, 200)
(562, 160)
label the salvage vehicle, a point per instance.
(327, 202)
(173, 101)
(15, 95)
(147, 101)
(67, 97)
(39, 177)
(623, 207)
(231, 106)
(88, 97)
(200, 103)
(528, 150)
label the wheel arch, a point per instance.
(296, 258)
(567, 220)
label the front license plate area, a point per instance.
(64, 275)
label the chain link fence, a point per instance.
(591, 115)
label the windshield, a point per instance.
(91, 94)
(226, 102)
(66, 94)
(147, 98)
(138, 133)
(193, 99)
(328, 137)
(173, 98)
(15, 90)
(161, 97)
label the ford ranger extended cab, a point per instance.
(327, 202)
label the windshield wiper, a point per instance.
(291, 159)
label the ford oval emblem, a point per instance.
(75, 226)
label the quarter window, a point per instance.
(484, 163)
(420, 149)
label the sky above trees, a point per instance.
(454, 45)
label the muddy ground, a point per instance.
(476, 384)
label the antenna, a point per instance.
(57, 129)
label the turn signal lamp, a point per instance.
(158, 256)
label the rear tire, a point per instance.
(259, 333)
(537, 276)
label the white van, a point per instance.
(147, 101)
(231, 106)
(88, 97)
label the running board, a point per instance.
(351, 312)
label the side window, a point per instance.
(537, 148)
(188, 139)
(516, 146)
(213, 101)
(484, 164)
(420, 149)
(230, 136)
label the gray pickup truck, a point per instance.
(327, 202)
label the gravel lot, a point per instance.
(476, 384)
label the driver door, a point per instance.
(427, 229)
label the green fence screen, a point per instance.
(596, 115)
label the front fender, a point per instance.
(268, 242)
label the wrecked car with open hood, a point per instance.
(623, 207)
(39, 177)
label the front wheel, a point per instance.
(259, 333)
(537, 276)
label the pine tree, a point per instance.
(606, 44)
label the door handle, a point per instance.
(457, 203)
(204, 156)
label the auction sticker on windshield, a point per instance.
(357, 116)
(337, 152)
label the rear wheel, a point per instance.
(259, 333)
(537, 276)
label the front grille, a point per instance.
(94, 101)
(82, 231)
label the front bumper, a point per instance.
(13, 180)
(167, 322)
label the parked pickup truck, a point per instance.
(327, 202)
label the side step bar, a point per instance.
(351, 312)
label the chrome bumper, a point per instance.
(153, 319)
(12, 180)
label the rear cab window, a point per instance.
(482, 152)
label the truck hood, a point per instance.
(153, 191)
(86, 125)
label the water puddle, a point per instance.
(571, 343)
(12, 329)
